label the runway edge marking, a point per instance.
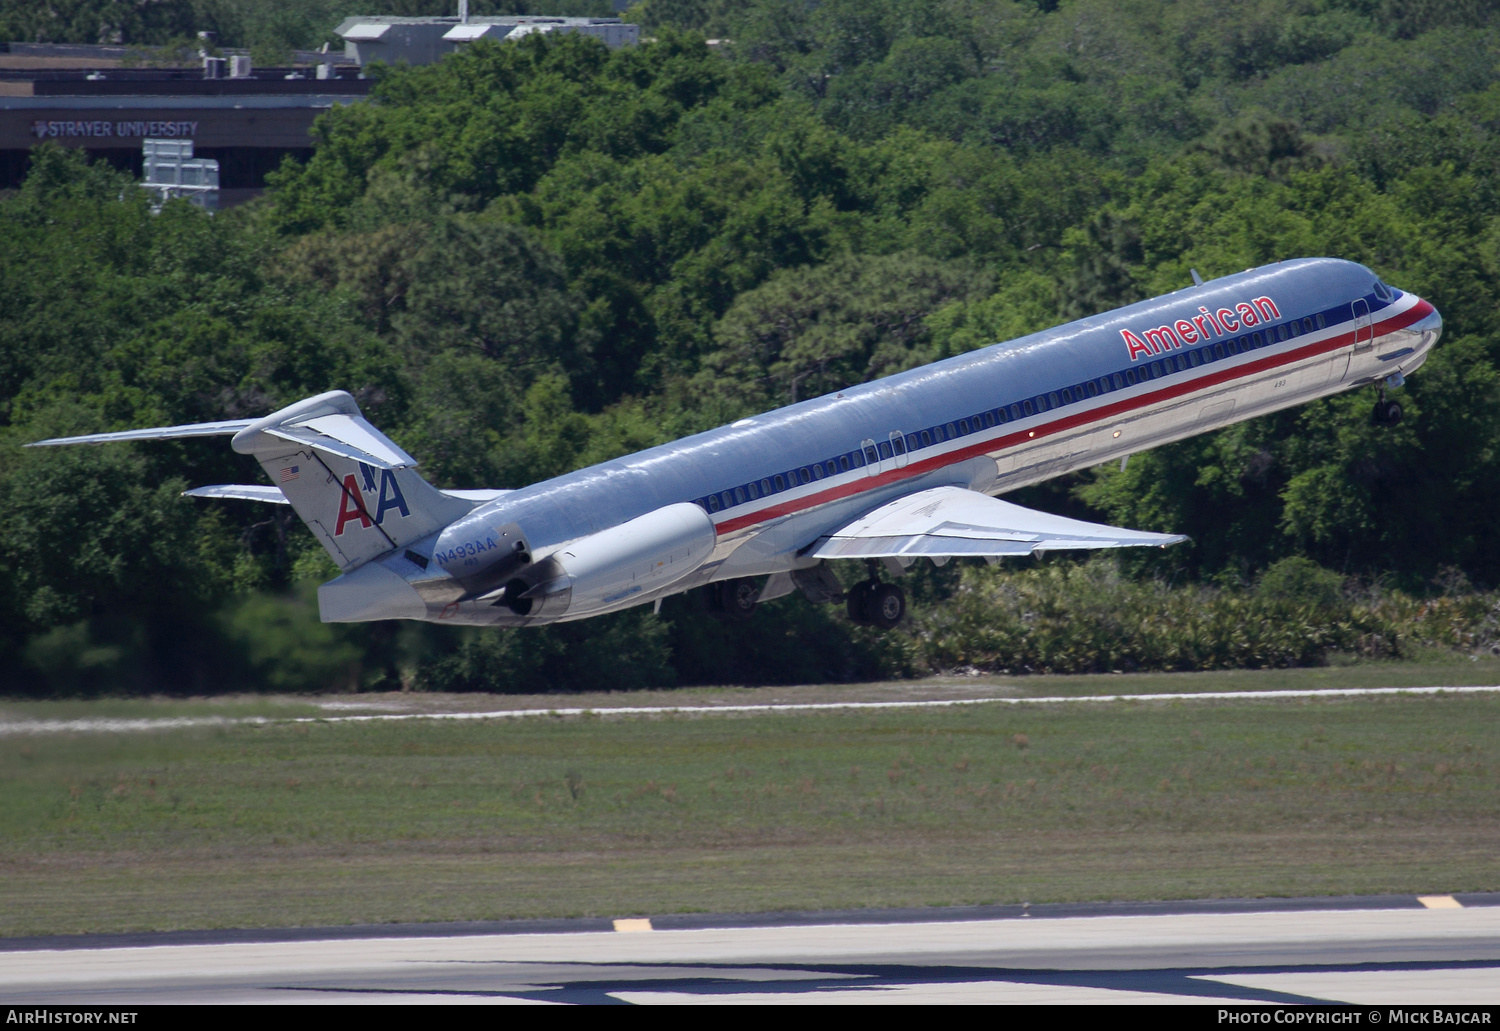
(1439, 902)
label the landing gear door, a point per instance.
(1364, 331)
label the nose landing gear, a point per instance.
(1385, 413)
(873, 603)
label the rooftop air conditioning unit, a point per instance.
(172, 171)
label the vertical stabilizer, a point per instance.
(351, 484)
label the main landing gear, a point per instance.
(1386, 413)
(734, 600)
(869, 603)
(873, 603)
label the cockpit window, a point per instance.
(1383, 292)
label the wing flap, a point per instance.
(957, 522)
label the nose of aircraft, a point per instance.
(1429, 325)
(1421, 334)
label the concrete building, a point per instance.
(244, 118)
(427, 40)
(247, 122)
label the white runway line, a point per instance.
(177, 722)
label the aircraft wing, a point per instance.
(958, 522)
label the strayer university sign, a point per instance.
(51, 130)
(278, 126)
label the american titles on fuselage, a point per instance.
(1256, 323)
(1202, 327)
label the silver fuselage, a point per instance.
(992, 420)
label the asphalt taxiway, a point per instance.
(1390, 951)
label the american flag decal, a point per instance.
(289, 473)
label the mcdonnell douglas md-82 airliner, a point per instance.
(887, 472)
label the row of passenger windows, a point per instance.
(898, 444)
(844, 463)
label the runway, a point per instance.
(119, 725)
(1445, 951)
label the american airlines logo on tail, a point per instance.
(352, 506)
(1200, 328)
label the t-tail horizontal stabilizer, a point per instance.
(240, 492)
(330, 422)
(273, 495)
(956, 522)
(353, 486)
(192, 429)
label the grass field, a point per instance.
(330, 823)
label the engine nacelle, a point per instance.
(608, 569)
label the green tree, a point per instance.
(812, 331)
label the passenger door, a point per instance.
(1364, 330)
(898, 446)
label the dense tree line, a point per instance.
(535, 256)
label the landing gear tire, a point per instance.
(735, 600)
(872, 603)
(1386, 413)
(885, 606)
